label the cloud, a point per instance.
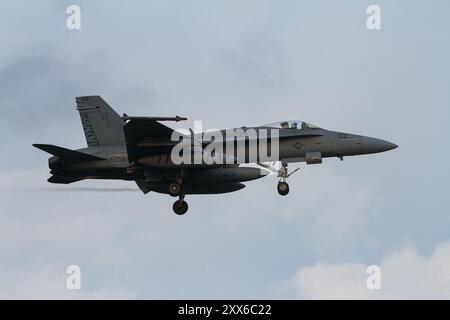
(329, 209)
(117, 238)
(405, 274)
(49, 282)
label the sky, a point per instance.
(229, 64)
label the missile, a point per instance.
(126, 117)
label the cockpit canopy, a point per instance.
(291, 124)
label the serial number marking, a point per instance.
(245, 309)
(117, 157)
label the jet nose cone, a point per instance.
(373, 145)
(391, 146)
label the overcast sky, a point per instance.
(229, 64)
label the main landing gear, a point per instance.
(174, 189)
(283, 187)
(180, 206)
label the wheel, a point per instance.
(180, 207)
(174, 189)
(283, 188)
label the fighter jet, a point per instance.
(141, 149)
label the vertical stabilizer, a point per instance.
(101, 124)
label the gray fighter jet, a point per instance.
(141, 149)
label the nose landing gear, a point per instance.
(283, 187)
(282, 173)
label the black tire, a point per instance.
(180, 207)
(283, 188)
(174, 189)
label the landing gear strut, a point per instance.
(175, 187)
(180, 206)
(283, 187)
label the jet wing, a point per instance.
(143, 186)
(147, 137)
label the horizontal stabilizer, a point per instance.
(64, 179)
(65, 153)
